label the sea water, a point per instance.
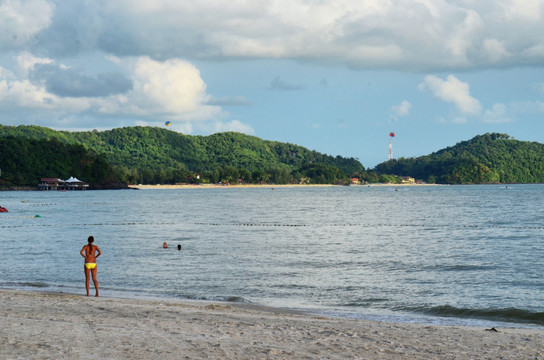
(470, 255)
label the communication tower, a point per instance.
(391, 136)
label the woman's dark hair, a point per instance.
(90, 240)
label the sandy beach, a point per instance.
(37, 325)
(217, 186)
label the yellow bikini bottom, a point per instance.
(90, 266)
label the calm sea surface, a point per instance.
(439, 254)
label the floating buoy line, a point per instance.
(428, 226)
(85, 224)
(30, 203)
(214, 224)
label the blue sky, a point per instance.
(333, 76)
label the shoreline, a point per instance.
(44, 325)
(385, 316)
(218, 186)
(263, 186)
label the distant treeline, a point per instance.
(151, 155)
(488, 158)
(24, 161)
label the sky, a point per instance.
(335, 76)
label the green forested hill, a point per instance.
(156, 155)
(484, 159)
(24, 161)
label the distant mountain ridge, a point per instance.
(488, 158)
(151, 154)
(156, 155)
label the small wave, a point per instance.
(513, 315)
(21, 285)
(461, 267)
(218, 298)
(364, 302)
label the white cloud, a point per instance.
(113, 59)
(233, 125)
(169, 90)
(154, 46)
(529, 10)
(404, 34)
(495, 50)
(209, 127)
(173, 88)
(420, 35)
(21, 20)
(26, 62)
(281, 85)
(497, 114)
(22, 93)
(402, 109)
(454, 91)
(184, 127)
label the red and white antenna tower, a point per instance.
(391, 136)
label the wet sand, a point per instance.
(38, 325)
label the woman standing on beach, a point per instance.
(90, 252)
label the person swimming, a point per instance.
(90, 252)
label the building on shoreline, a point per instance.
(51, 184)
(57, 184)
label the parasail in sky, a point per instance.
(168, 123)
(392, 134)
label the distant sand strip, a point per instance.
(243, 186)
(215, 186)
(35, 325)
